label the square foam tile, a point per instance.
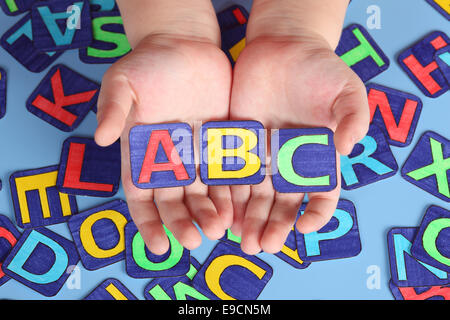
(2, 93)
(63, 98)
(99, 234)
(162, 155)
(432, 243)
(395, 112)
(428, 165)
(419, 63)
(111, 289)
(420, 293)
(232, 17)
(361, 53)
(405, 270)
(232, 152)
(18, 42)
(8, 239)
(87, 169)
(338, 239)
(175, 288)
(61, 25)
(109, 42)
(36, 200)
(141, 263)
(303, 160)
(371, 160)
(40, 260)
(230, 274)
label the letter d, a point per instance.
(58, 268)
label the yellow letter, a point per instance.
(236, 50)
(115, 293)
(217, 267)
(291, 253)
(88, 241)
(216, 153)
(39, 182)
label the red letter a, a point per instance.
(174, 164)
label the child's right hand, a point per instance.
(168, 79)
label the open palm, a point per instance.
(168, 80)
(292, 83)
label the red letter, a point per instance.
(73, 171)
(396, 132)
(239, 16)
(423, 73)
(56, 109)
(409, 293)
(174, 164)
(8, 236)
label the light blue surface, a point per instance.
(27, 142)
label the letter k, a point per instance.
(56, 109)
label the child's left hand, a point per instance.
(292, 82)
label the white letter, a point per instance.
(74, 280)
(74, 20)
(373, 281)
(374, 21)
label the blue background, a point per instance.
(27, 142)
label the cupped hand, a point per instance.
(168, 79)
(292, 82)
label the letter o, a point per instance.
(87, 238)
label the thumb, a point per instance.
(351, 110)
(114, 103)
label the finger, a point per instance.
(203, 211)
(114, 102)
(351, 110)
(281, 221)
(256, 215)
(176, 216)
(320, 208)
(221, 197)
(142, 207)
(146, 217)
(240, 194)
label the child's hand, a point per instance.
(168, 78)
(292, 81)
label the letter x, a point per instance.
(438, 168)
